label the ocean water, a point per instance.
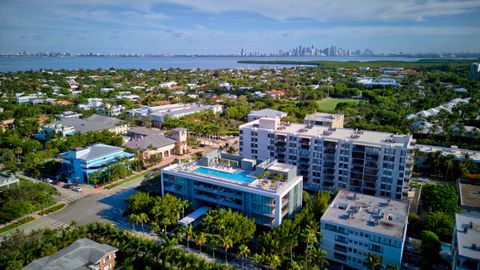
(26, 63)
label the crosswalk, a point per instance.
(50, 223)
(74, 198)
(119, 194)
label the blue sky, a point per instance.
(226, 26)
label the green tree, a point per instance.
(243, 251)
(441, 224)
(429, 249)
(200, 239)
(374, 261)
(226, 243)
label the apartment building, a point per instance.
(368, 162)
(268, 192)
(356, 225)
(466, 242)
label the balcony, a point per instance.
(219, 201)
(220, 191)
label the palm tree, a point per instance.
(133, 219)
(448, 166)
(374, 261)
(154, 227)
(391, 266)
(275, 261)
(143, 218)
(310, 236)
(188, 231)
(257, 259)
(213, 243)
(226, 243)
(18, 151)
(243, 251)
(200, 239)
(291, 242)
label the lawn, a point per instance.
(329, 104)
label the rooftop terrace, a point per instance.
(468, 235)
(368, 213)
(231, 175)
(336, 134)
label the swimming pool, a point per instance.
(238, 176)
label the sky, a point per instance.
(227, 26)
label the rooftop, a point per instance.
(468, 236)
(268, 113)
(7, 179)
(144, 131)
(93, 123)
(337, 134)
(94, 151)
(232, 175)
(368, 213)
(78, 256)
(322, 116)
(455, 151)
(155, 141)
(469, 195)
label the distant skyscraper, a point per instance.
(475, 68)
(241, 52)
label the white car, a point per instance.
(77, 189)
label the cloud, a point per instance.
(323, 10)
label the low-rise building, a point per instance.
(423, 151)
(466, 242)
(159, 113)
(153, 143)
(268, 192)
(83, 254)
(469, 195)
(79, 164)
(67, 114)
(73, 125)
(378, 81)
(7, 180)
(356, 225)
(325, 119)
(265, 113)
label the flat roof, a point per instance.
(188, 219)
(373, 214)
(459, 153)
(323, 116)
(468, 234)
(256, 183)
(469, 195)
(337, 134)
(93, 123)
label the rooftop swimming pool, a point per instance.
(237, 176)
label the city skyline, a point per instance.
(207, 27)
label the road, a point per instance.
(104, 206)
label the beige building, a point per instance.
(155, 142)
(325, 119)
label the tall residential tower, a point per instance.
(329, 158)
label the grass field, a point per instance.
(329, 104)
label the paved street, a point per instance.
(104, 206)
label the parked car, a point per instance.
(77, 189)
(68, 186)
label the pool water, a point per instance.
(238, 176)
